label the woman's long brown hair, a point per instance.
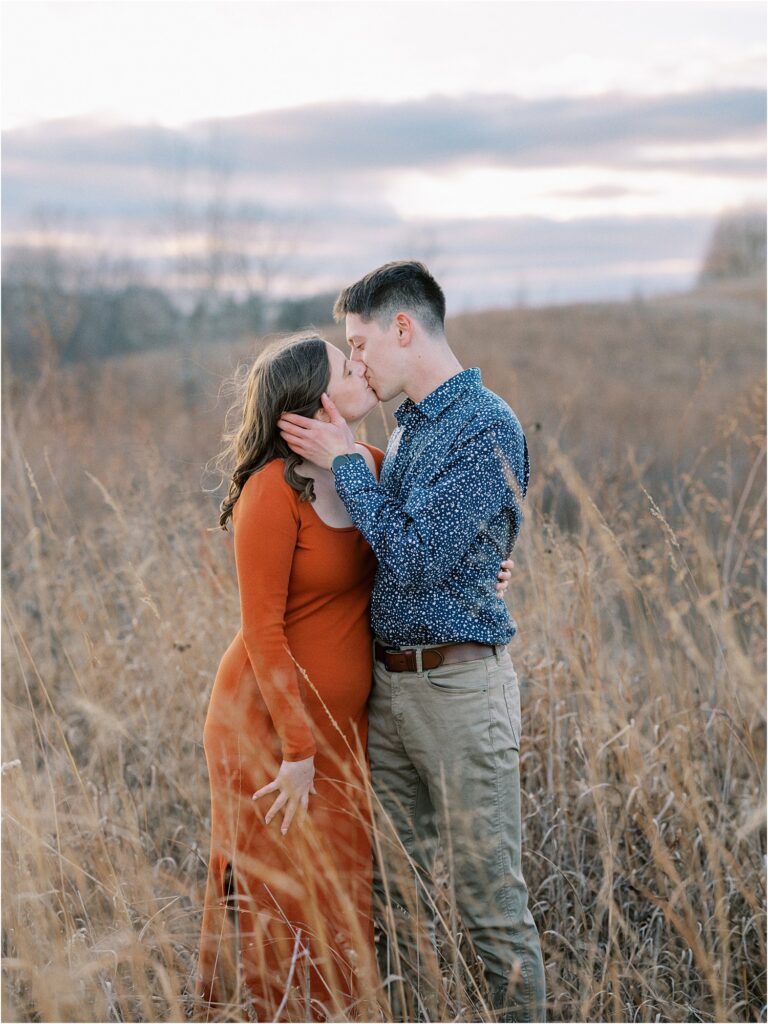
(290, 375)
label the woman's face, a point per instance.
(348, 389)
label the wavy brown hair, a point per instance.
(289, 375)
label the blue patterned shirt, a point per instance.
(444, 514)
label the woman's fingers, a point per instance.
(294, 782)
(275, 807)
(294, 804)
(303, 809)
(269, 788)
(288, 816)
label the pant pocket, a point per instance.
(506, 698)
(512, 702)
(468, 677)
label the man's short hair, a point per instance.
(403, 285)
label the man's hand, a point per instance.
(504, 577)
(295, 782)
(315, 440)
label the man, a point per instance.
(444, 714)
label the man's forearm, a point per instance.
(362, 495)
(403, 543)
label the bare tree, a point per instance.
(422, 242)
(737, 246)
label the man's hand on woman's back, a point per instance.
(504, 577)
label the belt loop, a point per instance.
(498, 651)
(419, 661)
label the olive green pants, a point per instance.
(444, 750)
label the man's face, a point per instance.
(380, 351)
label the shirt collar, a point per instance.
(439, 399)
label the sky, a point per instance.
(547, 150)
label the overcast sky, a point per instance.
(566, 150)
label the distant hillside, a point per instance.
(653, 381)
(45, 323)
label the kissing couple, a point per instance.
(363, 732)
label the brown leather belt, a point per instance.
(431, 657)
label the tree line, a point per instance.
(51, 317)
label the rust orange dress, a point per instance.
(287, 921)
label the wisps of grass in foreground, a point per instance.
(641, 659)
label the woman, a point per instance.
(290, 877)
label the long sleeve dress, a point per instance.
(294, 910)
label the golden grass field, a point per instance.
(638, 588)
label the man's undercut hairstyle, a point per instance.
(401, 286)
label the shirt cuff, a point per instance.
(352, 476)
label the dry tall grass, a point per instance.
(639, 588)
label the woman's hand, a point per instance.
(294, 783)
(504, 577)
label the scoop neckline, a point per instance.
(319, 518)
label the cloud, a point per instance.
(344, 155)
(329, 173)
(484, 262)
(435, 132)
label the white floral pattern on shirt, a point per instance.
(447, 509)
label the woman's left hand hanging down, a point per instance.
(294, 783)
